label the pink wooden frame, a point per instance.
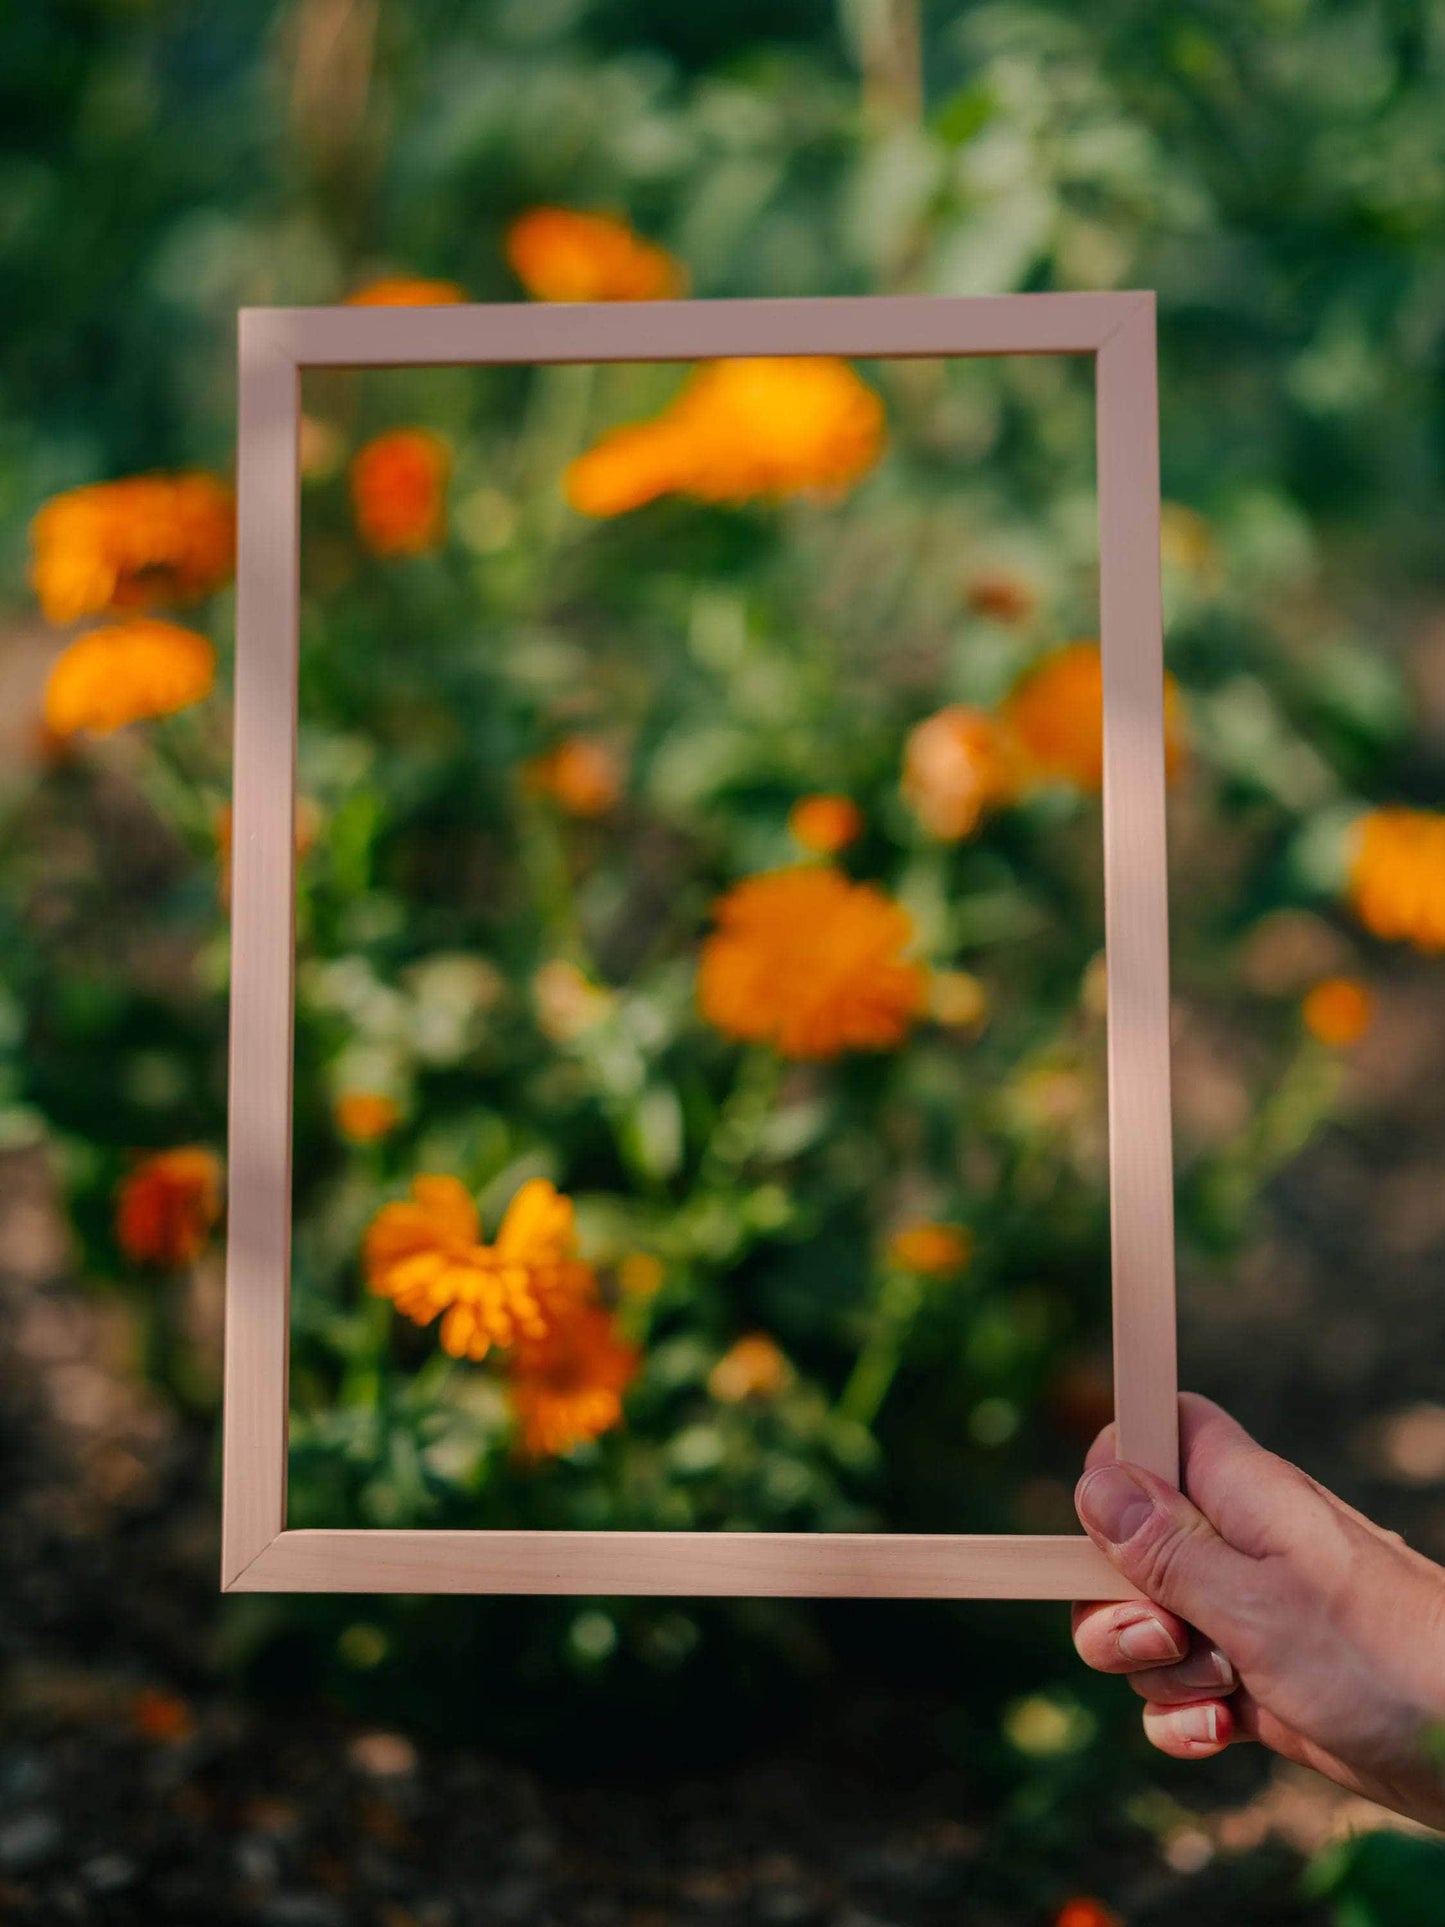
(259, 1553)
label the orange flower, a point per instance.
(1057, 714)
(399, 491)
(560, 255)
(581, 775)
(1082, 1911)
(737, 430)
(931, 1250)
(158, 1715)
(406, 291)
(1397, 876)
(366, 1116)
(753, 1368)
(1001, 596)
(810, 963)
(127, 674)
(168, 1207)
(426, 1256)
(958, 765)
(640, 1275)
(567, 1387)
(131, 544)
(1338, 1011)
(825, 824)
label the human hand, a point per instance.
(1273, 1612)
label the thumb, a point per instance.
(1165, 1546)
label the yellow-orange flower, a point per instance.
(737, 430)
(426, 1255)
(1397, 876)
(957, 1000)
(567, 1387)
(752, 1368)
(1056, 713)
(958, 765)
(406, 291)
(1338, 1011)
(127, 674)
(931, 1250)
(640, 1274)
(560, 255)
(365, 1117)
(132, 544)
(825, 824)
(810, 963)
(581, 775)
(399, 491)
(168, 1207)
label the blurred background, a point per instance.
(701, 999)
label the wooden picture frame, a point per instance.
(259, 1553)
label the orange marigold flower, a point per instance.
(753, 1368)
(1338, 1011)
(931, 1250)
(567, 1386)
(957, 766)
(810, 963)
(825, 824)
(426, 1255)
(769, 426)
(399, 491)
(1083, 1911)
(131, 544)
(406, 291)
(581, 775)
(168, 1207)
(1001, 596)
(560, 255)
(1056, 713)
(365, 1117)
(127, 674)
(1397, 876)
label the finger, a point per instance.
(1256, 1500)
(1194, 1732)
(1104, 1448)
(1167, 1548)
(1125, 1636)
(1203, 1673)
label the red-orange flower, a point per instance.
(406, 291)
(1084, 1911)
(811, 963)
(560, 255)
(1056, 713)
(825, 824)
(754, 1367)
(130, 673)
(399, 491)
(1397, 876)
(426, 1255)
(958, 765)
(567, 1386)
(1338, 1011)
(581, 775)
(168, 1206)
(766, 427)
(132, 544)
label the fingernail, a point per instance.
(1208, 1667)
(1114, 1503)
(1199, 1724)
(1149, 1639)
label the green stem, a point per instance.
(872, 1376)
(737, 1134)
